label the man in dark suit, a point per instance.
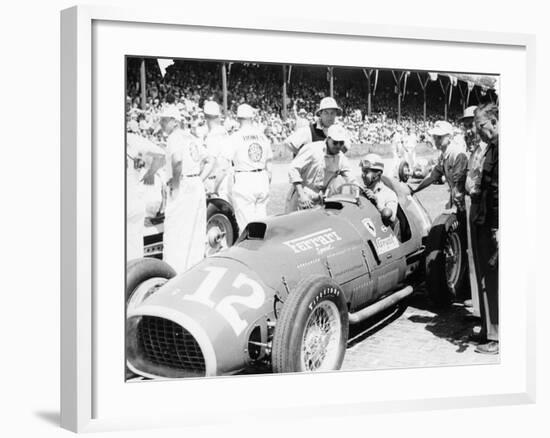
(485, 222)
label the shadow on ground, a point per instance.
(367, 328)
(455, 323)
(50, 417)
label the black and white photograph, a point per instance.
(287, 218)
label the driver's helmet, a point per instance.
(371, 161)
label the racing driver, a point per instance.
(376, 191)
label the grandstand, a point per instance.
(374, 101)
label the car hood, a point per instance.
(211, 309)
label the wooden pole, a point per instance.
(462, 99)
(424, 86)
(398, 85)
(446, 101)
(143, 85)
(224, 87)
(445, 89)
(285, 114)
(369, 96)
(331, 78)
(399, 105)
(424, 93)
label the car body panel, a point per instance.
(230, 300)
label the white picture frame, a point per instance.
(82, 361)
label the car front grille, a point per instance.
(167, 344)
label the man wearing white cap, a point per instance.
(452, 163)
(318, 130)
(396, 149)
(219, 148)
(251, 156)
(185, 217)
(315, 167)
(301, 119)
(409, 147)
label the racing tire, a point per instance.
(139, 271)
(219, 213)
(143, 277)
(446, 262)
(404, 171)
(312, 329)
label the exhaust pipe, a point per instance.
(379, 306)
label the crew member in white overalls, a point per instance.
(252, 156)
(185, 217)
(396, 150)
(139, 157)
(219, 148)
(409, 147)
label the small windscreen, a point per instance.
(256, 230)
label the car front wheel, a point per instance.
(312, 329)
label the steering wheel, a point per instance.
(357, 186)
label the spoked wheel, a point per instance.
(445, 260)
(404, 171)
(221, 226)
(219, 233)
(321, 339)
(312, 329)
(453, 260)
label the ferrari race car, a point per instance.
(286, 292)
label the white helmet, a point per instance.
(372, 161)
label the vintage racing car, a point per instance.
(285, 293)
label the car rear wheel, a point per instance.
(221, 226)
(445, 260)
(312, 329)
(404, 171)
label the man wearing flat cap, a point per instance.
(187, 165)
(219, 148)
(315, 167)
(476, 147)
(486, 224)
(318, 130)
(452, 164)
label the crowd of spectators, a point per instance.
(189, 84)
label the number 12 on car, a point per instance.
(225, 306)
